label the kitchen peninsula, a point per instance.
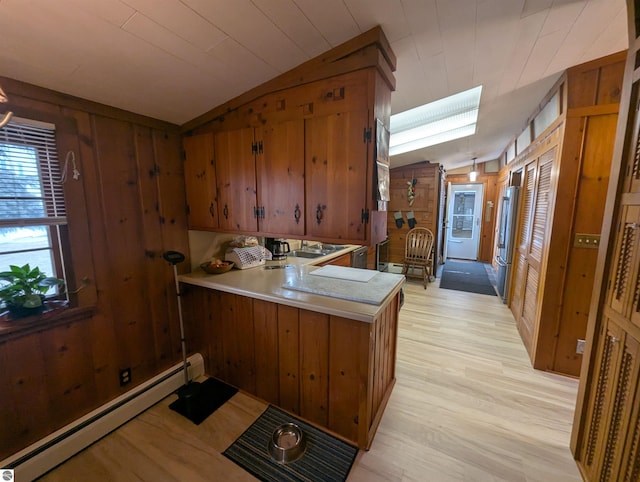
(327, 359)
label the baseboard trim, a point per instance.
(47, 453)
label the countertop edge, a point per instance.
(354, 310)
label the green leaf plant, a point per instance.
(25, 287)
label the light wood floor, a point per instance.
(467, 406)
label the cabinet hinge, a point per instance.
(365, 215)
(367, 135)
(184, 155)
(188, 210)
(257, 147)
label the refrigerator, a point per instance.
(506, 240)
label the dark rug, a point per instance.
(466, 276)
(211, 396)
(325, 459)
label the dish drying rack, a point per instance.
(251, 257)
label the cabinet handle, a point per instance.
(256, 212)
(225, 211)
(211, 210)
(261, 212)
(319, 214)
(614, 339)
(297, 214)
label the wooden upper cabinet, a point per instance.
(236, 176)
(280, 178)
(336, 175)
(200, 182)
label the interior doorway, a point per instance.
(464, 211)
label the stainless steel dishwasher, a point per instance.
(359, 257)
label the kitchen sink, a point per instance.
(299, 253)
(317, 250)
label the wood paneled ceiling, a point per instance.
(176, 59)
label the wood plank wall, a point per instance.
(133, 197)
(424, 207)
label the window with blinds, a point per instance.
(31, 197)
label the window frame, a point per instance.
(74, 237)
(53, 198)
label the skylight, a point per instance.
(443, 120)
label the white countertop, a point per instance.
(267, 284)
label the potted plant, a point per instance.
(24, 293)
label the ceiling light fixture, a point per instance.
(473, 175)
(441, 121)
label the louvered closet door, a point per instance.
(533, 234)
(609, 454)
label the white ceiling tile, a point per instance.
(541, 56)
(497, 31)
(531, 7)
(242, 64)
(615, 37)
(389, 14)
(182, 20)
(332, 19)
(252, 29)
(166, 40)
(562, 17)
(529, 29)
(113, 11)
(295, 25)
(596, 17)
(424, 28)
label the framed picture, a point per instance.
(382, 143)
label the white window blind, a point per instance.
(30, 189)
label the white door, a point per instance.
(464, 211)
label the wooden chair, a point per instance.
(418, 253)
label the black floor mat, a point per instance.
(211, 396)
(326, 459)
(466, 276)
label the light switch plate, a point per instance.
(582, 240)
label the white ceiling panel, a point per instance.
(258, 33)
(288, 17)
(332, 18)
(113, 11)
(182, 20)
(529, 29)
(386, 13)
(176, 59)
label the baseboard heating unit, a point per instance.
(42, 456)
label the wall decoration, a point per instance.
(411, 190)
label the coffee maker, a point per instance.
(278, 247)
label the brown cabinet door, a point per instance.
(236, 176)
(336, 175)
(200, 182)
(280, 175)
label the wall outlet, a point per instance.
(580, 346)
(125, 376)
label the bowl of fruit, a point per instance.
(216, 266)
